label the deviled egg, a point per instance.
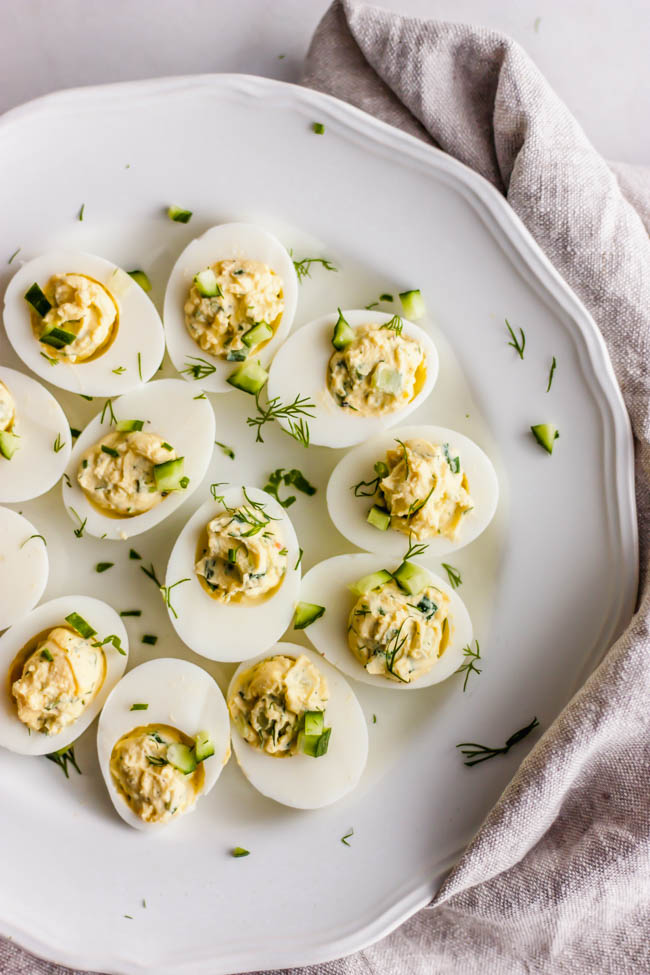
(231, 295)
(397, 627)
(239, 556)
(60, 663)
(298, 731)
(139, 459)
(362, 371)
(35, 439)
(428, 482)
(24, 566)
(81, 323)
(162, 741)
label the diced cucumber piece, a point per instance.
(57, 337)
(207, 284)
(379, 518)
(257, 334)
(412, 578)
(129, 426)
(314, 722)
(181, 757)
(373, 581)
(178, 215)
(203, 747)
(169, 474)
(37, 300)
(545, 434)
(249, 378)
(386, 379)
(140, 278)
(306, 614)
(314, 745)
(236, 355)
(79, 624)
(8, 444)
(343, 333)
(413, 304)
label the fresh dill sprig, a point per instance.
(167, 592)
(225, 449)
(406, 458)
(62, 757)
(470, 664)
(454, 576)
(395, 325)
(344, 839)
(481, 753)
(393, 648)
(550, 375)
(419, 503)
(151, 574)
(381, 470)
(276, 410)
(82, 524)
(119, 370)
(114, 641)
(413, 551)
(108, 405)
(52, 362)
(58, 444)
(303, 267)
(200, 369)
(517, 344)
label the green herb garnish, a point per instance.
(517, 344)
(108, 405)
(62, 757)
(80, 626)
(139, 707)
(82, 524)
(52, 362)
(167, 592)
(42, 537)
(140, 366)
(299, 559)
(150, 639)
(80, 215)
(481, 753)
(119, 370)
(454, 462)
(395, 325)
(74, 433)
(104, 566)
(293, 477)
(200, 370)
(134, 555)
(550, 375)
(303, 267)
(110, 451)
(114, 641)
(318, 128)
(381, 470)
(151, 573)
(470, 664)
(276, 410)
(454, 576)
(131, 612)
(178, 215)
(46, 655)
(228, 451)
(157, 760)
(15, 254)
(344, 839)
(239, 851)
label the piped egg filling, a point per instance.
(274, 702)
(378, 371)
(425, 489)
(7, 409)
(82, 320)
(244, 557)
(233, 307)
(399, 636)
(155, 770)
(129, 473)
(58, 681)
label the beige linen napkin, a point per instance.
(558, 878)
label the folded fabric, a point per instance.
(558, 878)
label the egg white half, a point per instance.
(169, 410)
(179, 694)
(326, 584)
(222, 631)
(24, 567)
(140, 329)
(301, 781)
(227, 241)
(349, 513)
(300, 369)
(14, 735)
(36, 466)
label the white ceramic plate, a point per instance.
(549, 584)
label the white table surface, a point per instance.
(594, 52)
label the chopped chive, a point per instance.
(454, 576)
(110, 451)
(82, 524)
(119, 370)
(46, 655)
(140, 366)
(150, 639)
(139, 707)
(108, 405)
(114, 641)
(34, 536)
(228, 451)
(74, 433)
(52, 362)
(344, 839)
(79, 624)
(200, 396)
(374, 719)
(517, 344)
(58, 444)
(15, 254)
(318, 128)
(104, 566)
(385, 297)
(89, 398)
(239, 851)
(134, 555)
(131, 612)
(550, 375)
(151, 574)
(81, 212)
(299, 559)
(166, 446)
(178, 215)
